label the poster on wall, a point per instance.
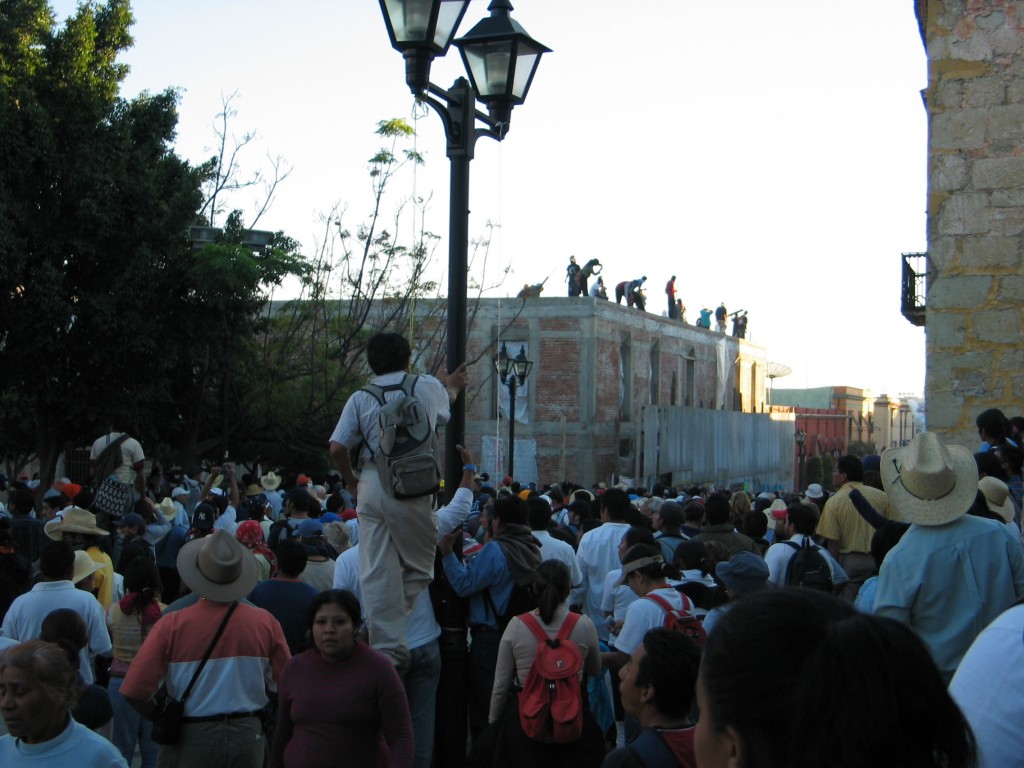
(494, 460)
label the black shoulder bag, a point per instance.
(169, 711)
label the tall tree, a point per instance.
(94, 210)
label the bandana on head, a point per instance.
(250, 534)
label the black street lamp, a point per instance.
(501, 59)
(513, 373)
(801, 438)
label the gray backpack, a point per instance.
(409, 457)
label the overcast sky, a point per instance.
(770, 153)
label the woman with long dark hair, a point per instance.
(516, 654)
(795, 677)
(130, 620)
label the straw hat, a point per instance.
(218, 567)
(84, 566)
(253, 490)
(271, 481)
(167, 508)
(929, 483)
(75, 520)
(997, 495)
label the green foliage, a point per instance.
(94, 207)
(105, 305)
(814, 470)
(828, 464)
(861, 448)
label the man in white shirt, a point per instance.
(598, 554)
(421, 627)
(800, 523)
(550, 547)
(24, 618)
(397, 536)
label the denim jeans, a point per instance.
(421, 691)
(221, 744)
(130, 728)
(483, 658)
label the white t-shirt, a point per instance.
(131, 454)
(598, 554)
(644, 615)
(359, 418)
(989, 687)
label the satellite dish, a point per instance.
(775, 371)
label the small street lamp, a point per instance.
(501, 60)
(801, 438)
(513, 373)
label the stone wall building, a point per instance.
(975, 277)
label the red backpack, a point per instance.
(550, 703)
(686, 623)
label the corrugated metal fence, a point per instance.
(723, 448)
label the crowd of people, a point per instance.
(289, 622)
(632, 291)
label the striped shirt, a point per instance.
(246, 662)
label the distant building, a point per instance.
(841, 420)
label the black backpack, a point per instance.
(808, 567)
(522, 600)
(650, 749)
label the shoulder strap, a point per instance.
(409, 384)
(109, 448)
(206, 656)
(794, 545)
(665, 606)
(534, 626)
(377, 393)
(651, 750)
(567, 626)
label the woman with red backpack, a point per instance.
(539, 714)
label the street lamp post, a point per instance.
(513, 373)
(501, 60)
(801, 438)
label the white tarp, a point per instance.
(494, 460)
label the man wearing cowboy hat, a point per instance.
(79, 529)
(221, 724)
(271, 482)
(952, 573)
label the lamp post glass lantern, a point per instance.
(502, 60)
(513, 373)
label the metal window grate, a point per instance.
(912, 295)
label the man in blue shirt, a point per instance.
(509, 557)
(952, 573)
